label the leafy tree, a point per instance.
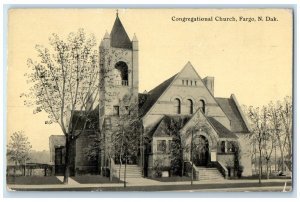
(127, 133)
(178, 145)
(65, 84)
(18, 148)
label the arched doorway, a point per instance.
(200, 154)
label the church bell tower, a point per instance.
(118, 77)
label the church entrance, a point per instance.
(200, 151)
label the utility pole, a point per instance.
(192, 177)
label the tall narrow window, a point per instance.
(183, 82)
(191, 83)
(177, 106)
(223, 147)
(116, 111)
(187, 82)
(190, 106)
(161, 146)
(202, 105)
(127, 111)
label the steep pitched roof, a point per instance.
(169, 125)
(221, 130)
(119, 37)
(154, 94)
(232, 112)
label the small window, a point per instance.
(191, 83)
(161, 146)
(223, 147)
(190, 106)
(231, 147)
(107, 123)
(182, 82)
(187, 82)
(170, 145)
(195, 83)
(127, 111)
(116, 111)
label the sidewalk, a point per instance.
(144, 182)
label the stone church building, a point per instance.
(180, 115)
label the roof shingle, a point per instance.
(119, 37)
(230, 109)
(154, 94)
(221, 130)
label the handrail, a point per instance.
(222, 169)
(195, 170)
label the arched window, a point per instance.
(190, 106)
(177, 106)
(123, 70)
(202, 105)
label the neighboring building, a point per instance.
(175, 109)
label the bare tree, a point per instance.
(276, 127)
(18, 149)
(286, 114)
(268, 147)
(259, 130)
(65, 82)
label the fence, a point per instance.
(32, 169)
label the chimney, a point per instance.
(209, 83)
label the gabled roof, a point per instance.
(119, 37)
(154, 94)
(169, 125)
(221, 130)
(231, 110)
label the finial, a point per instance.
(117, 12)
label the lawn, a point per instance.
(94, 179)
(265, 177)
(32, 180)
(172, 179)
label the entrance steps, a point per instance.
(208, 174)
(132, 171)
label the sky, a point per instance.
(252, 60)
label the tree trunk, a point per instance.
(125, 171)
(275, 159)
(268, 169)
(15, 168)
(67, 160)
(260, 167)
(192, 177)
(111, 170)
(120, 158)
(281, 159)
(255, 162)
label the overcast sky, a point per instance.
(253, 60)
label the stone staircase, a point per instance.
(132, 171)
(209, 174)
